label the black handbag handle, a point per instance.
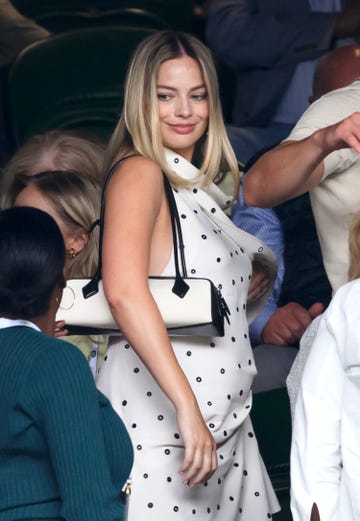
(180, 287)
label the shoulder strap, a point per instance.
(180, 287)
(92, 287)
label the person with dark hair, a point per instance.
(59, 172)
(64, 452)
(73, 200)
(26, 283)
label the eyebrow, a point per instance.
(202, 86)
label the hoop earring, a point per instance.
(71, 253)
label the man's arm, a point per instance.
(294, 167)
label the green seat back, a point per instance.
(63, 20)
(72, 80)
(178, 14)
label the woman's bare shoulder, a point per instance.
(140, 163)
(140, 175)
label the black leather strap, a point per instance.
(180, 287)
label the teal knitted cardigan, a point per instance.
(64, 452)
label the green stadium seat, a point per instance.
(73, 80)
(177, 14)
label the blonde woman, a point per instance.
(58, 172)
(53, 150)
(185, 400)
(325, 452)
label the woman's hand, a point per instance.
(259, 283)
(200, 461)
(143, 246)
(59, 329)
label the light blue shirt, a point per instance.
(265, 225)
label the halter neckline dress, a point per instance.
(220, 371)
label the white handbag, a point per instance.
(188, 305)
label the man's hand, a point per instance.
(287, 325)
(345, 134)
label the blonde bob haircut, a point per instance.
(54, 150)
(75, 199)
(138, 130)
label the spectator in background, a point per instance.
(277, 329)
(53, 150)
(325, 452)
(64, 452)
(305, 289)
(321, 155)
(272, 47)
(58, 172)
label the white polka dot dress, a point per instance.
(220, 371)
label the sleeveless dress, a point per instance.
(220, 371)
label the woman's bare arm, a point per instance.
(138, 242)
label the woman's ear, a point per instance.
(78, 241)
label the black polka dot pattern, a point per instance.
(220, 370)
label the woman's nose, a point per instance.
(183, 106)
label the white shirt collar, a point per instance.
(8, 322)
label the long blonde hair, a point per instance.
(138, 130)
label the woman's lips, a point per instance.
(182, 129)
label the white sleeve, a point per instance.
(350, 430)
(315, 451)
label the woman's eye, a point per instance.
(199, 97)
(163, 97)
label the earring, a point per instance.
(71, 253)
